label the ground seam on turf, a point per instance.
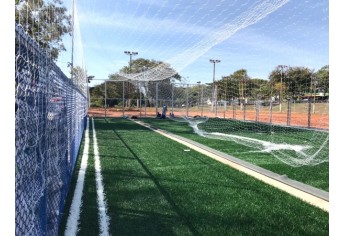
(74, 215)
(102, 205)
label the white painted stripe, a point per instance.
(74, 214)
(102, 205)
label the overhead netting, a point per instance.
(252, 72)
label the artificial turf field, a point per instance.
(154, 187)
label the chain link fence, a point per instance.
(50, 117)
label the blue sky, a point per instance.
(254, 35)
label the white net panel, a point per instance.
(267, 85)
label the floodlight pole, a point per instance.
(214, 61)
(130, 53)
(282, 67)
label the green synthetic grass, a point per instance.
(317, 176)
(154, 187)
(89, 213)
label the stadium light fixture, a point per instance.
(130, 53)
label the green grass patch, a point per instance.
(317, 176)
(154, 187)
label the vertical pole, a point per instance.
(271, 107)
(139, 99)
(288, 112)
(156, 97)
(187, 102)
(214, 87)
(309, 112)
(215, 98)
(172, 98)
(244, 110)
(224, 108)
(233, 109)
(105, 99)
(202, 99)
(123, 98)
(257, 111)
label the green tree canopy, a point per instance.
(322, 77)
(46, 22)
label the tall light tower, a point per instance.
(130, 53)
(282, 67)
(214, 61)
(130, 59)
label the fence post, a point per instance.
(105, 98)
(216, 98)
(202, 100)
(187, 105)
(233, 109)
(156, 97)
(309, 112)
(271, 108)
(123, 98)
(288, 112)
(256, 111)
(244, 110)
(172, 98)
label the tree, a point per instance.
(322, 76)
(294, 82)
(45, 22)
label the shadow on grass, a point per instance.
(161, 190)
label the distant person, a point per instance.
(164, 111)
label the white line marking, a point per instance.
(102, 205)
(74, 215)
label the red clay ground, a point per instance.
(320, 121)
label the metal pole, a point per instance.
(172, 98)
(244, 110)
(213, 87)
(123, 98)
(156, 97)
(233, 109)
(256, 111)
(216, 97)
(271, 107)
(187, 105)
(140, 99)
(288, 112)
(202, 99)
(309, 112)
(105, 99)
(281, 86)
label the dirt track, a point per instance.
(319, 121)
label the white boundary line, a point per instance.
(74, 214)
(102, 205)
